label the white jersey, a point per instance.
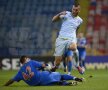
(69, 26)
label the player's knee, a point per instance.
(73, 47)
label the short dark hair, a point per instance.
(76, 3)
(22, 59)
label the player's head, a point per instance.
(75, 9)
(23, 59)
(80, 35)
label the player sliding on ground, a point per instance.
(30, 73)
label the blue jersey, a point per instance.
(30, 74)
(81, 42)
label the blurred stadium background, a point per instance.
(26, 29)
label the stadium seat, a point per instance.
(99, 15)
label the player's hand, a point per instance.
(58, 16)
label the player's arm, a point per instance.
(16, 78)
(9, 82)
(45, 66)
(58, 16)
(39, 65)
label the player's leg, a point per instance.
(69, 64)
(79, 67)
(73, 47)
(59, 51)
(57, 60)
(55, 78)
(56, 63)
(69, 61)
(64, 63)
(70, 77)
(66, 83)
(83, 56)
(80, 61)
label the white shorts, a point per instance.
(62, 45)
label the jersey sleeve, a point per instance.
(81, 21)
(17, 77)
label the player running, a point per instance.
(30, 74)
(82, 45)
(67, 36)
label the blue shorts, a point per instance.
(82, 55)
(47, 78)
(68, 53)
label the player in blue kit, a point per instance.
(30, 73)
(81, 45)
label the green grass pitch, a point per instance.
(99, 81)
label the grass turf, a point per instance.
(99, 81)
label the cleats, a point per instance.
(74, 83)
(79, 79)
(80, 70)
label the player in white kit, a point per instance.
(67, 35)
